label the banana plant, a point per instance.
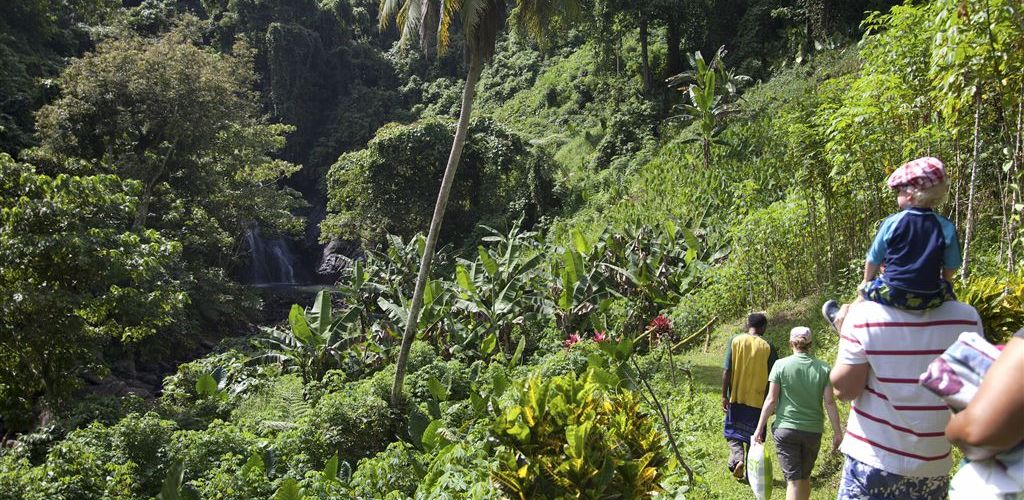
(580, 289)
(313, 344)
(174, 486)
(711, 89)
(391, 275)
(494, 290)
(653, 267)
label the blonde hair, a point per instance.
(802, 344)
(929, 197)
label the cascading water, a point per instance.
(271, 261)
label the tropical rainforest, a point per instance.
(458, 249)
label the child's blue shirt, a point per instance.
(915, 245)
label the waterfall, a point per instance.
(271, 261)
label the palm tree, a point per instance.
(481, 22)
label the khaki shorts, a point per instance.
(797, 452)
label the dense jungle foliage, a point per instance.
(635, 177)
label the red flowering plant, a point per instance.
(660, 328)
(601, 336)
(571, 341)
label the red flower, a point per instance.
(600, 336)
(571, 341)
(661, 324)
(660, 327)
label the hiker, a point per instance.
(798, 387)
(895, 444)
(917, 247)
(748, 359)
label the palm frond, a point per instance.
(386, 10)
(409, 21)
(535, 17)
(482, 22)
(449, 11)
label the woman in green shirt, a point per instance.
(798, 386)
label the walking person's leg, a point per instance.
(737, 457)
(797, 451)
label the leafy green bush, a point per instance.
(105, 409)
(568, 436)
(999, 301)
(182, 399)
(200, 451)
(420, 354)
(18, 479)
(452, 375)
(126, 460)
(392, 473)
(380, 189)
(572, 361)
(235, 477)
(353, 424)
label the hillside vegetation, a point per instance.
(627, 193)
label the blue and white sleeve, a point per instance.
(880, 245)
(951, 258)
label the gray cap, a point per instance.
(800, 332)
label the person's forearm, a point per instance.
(767, 411)
(833, 417)
(995, 417)
(870, 270)
(726, 378)
(947, 273)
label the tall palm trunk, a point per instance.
(475, 66)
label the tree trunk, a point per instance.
(475, 66)
(706, 148)
(430, 17)
(674, 60)
(644, 57)
(969, 231)
(1015, 166)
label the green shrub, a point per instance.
(201, 451)
(999, 301)
(278, 402)
(392, 473)
(235, 477)
(568, 361)
(18, 479)
(126, 460)
(100, 408)
(452, 374)
(566, 436)
(191, 410)
(354, 423)
(420, 354)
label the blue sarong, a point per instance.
(741, 422)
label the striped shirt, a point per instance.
(895, 424)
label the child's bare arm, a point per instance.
(947, 273)
(870, 270)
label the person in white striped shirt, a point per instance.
(895, 443)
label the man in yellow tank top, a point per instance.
(748, 360)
